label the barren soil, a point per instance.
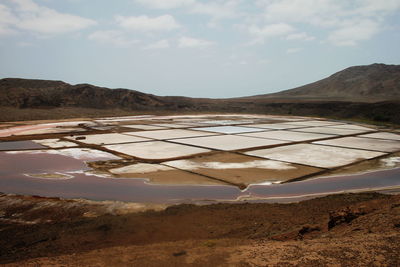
(340, 230)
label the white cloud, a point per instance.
(216, 9)
(6, 20)
(188, 42)
(377, 8)
(49, 21)
(308, 11)
(293, 50)
(29, 16)
(345, 22)
(260, 34)
(158, 45)
(302, 36)
(165, 4)
(146, 24)
(354, 32)
(111, 37)
(27, 5)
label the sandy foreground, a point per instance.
(339, 230)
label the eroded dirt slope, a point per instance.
(346, 230)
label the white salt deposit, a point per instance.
(314, 123)
(156, 150)
(140, 168)
(391, 162)
(54, 143)
(350, 126)
(288, 135)
(229, 142)
(326, 130)
(364, 143)
(144, 127)
(50, 176)
(259, 164)
(85, 154)
(275, 126)
(169, 134)
(383, 135)
(111, 138)
(229, 129)
(315, 155)
(171, 125)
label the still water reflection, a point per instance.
(15, 166)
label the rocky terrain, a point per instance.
(338, 230)
(23, 93)
(376, 82)
(370, 93)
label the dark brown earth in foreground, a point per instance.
(339, 230)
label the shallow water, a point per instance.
(19, 145)
(376, 179)
(14, 168)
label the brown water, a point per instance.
(19, 145)
(15, 166)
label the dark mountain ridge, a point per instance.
(374, 82)
(363, 92)
(24, 93)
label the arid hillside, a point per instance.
(27, 93)
(376, 82)
(370, 93)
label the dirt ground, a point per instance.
(339, 230)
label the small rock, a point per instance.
(179, 253)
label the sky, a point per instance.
(196, 48)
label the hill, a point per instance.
(376, 82)
(369, 93)
(28, 93)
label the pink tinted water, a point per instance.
(14, 166)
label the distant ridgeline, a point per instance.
(363, 92)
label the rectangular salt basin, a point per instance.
(160, 174)
(170, 134)
(229, 129)
(226, 122)
(273, 126)
(241, 169)
(383, 135)
(280, 118)
(315, 155)
(171, 125)
(229, 142)
(111, 138)
(55, 143)
(156, 150)
(144, 127)
(313, 123)
(288, 135)
(364, 143)
(350, 127)
(326, 130)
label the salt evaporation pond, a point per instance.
(15, 169)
